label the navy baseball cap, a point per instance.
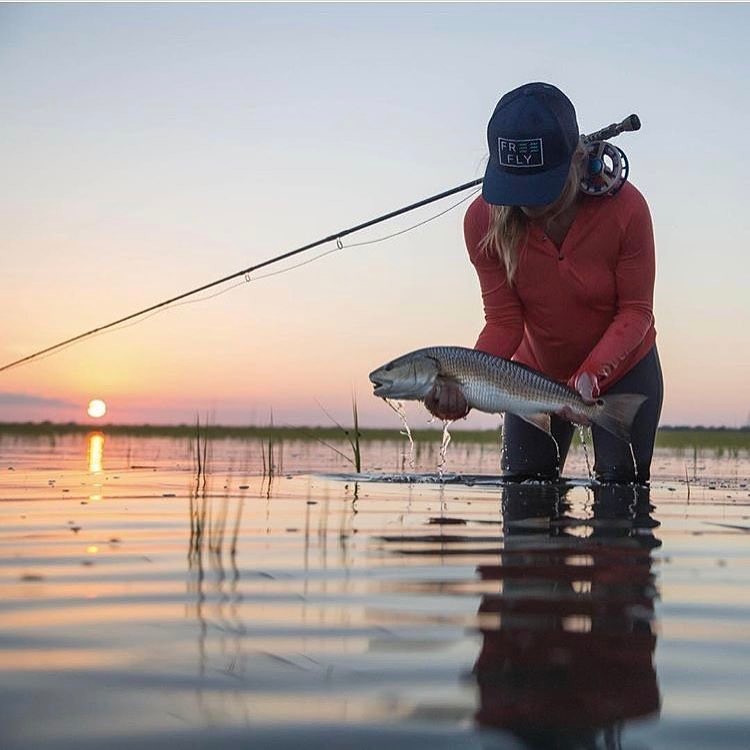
(532, 135)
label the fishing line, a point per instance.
(339, 246)
(181, 299)
(342, 246)
(418, 224)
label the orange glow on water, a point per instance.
(95, 452)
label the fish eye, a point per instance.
(388, 367)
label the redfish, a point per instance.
(495, 385)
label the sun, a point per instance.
(97, 408)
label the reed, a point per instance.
(354, 440)
(271, 450)
(352, 436)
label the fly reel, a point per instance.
(607, 169)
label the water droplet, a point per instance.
(398, 407)
(444, 447)
(582, 435)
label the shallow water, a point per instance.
(144, 605)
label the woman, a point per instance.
(567, 284)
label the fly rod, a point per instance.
(245, 271)
(629, 123)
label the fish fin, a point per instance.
(442, 380)
(618, 412)
(539, 420)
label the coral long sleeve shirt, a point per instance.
(586, 306)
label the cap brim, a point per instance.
(504, 188)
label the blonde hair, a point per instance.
(509, 226)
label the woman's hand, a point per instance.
(446, 401)
(588, 386)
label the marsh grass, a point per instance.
(271, 445)
(726, 439)
(352, 436)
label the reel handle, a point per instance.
(607, 171)
(631, 122)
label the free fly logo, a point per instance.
(526, 153)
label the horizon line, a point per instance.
(272, 426)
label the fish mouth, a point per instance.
(379, 385)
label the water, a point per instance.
(141, 608)
(583, 436)
(400, 410)
(444, 443)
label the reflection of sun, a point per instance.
(96, 454)
(97, 408)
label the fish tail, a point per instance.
(617, 413)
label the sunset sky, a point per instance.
(150, 149)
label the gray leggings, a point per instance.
(530, 454)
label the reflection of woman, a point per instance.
(571, 656)
(567, 283)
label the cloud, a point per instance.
(24, 399)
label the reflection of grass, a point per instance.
(668, 437)
(198, 495)
(208, 524)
